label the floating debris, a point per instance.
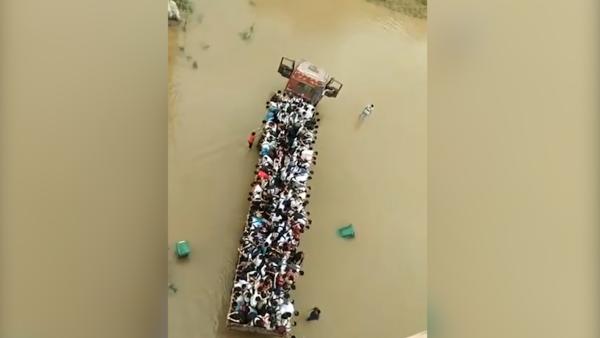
(181, 48)
(195, 65)
(205, 46)
(173, 288)
(252, 3)
(248, 34)
(245, 36)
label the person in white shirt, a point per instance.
(367, 111)
(269, 239)
(307, 155)
(287, 307)
(241, 284)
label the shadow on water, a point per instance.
(359, 123)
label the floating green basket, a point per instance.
(347, 231)
(182, 249)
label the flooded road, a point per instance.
(373, 175)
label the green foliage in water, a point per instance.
(185, 6)
(414, 8)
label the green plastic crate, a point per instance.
(347, 231)
(182, 249)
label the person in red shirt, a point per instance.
(263, 175)
(251, 139)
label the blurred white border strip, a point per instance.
(419, 335)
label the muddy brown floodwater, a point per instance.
(373, 175)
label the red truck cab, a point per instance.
(307, 80)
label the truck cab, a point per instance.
(307, 80)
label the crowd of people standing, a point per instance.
(269, 260)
